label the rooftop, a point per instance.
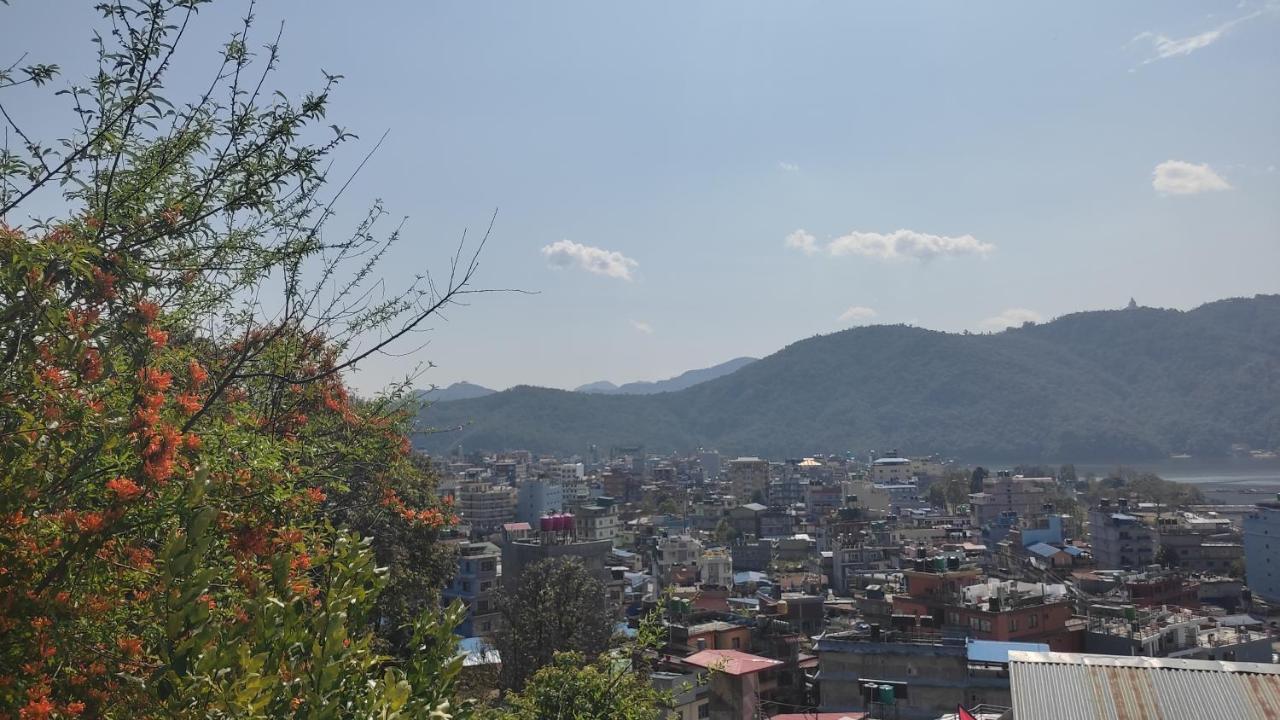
(1075, 686)
(731, 662)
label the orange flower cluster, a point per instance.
(428, 517)
(124, 489)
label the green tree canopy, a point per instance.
(557, 605)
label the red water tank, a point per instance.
(546, 523)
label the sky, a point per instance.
(677, 184)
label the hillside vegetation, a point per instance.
(1124, 384)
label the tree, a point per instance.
(570, 688)
(725, 532)
(975, 480)
(177, 438)
(556, 606)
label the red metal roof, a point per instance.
(731, 662)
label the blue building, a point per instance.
(476, 584)
(1262, 550)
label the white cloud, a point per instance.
(788, 167)
(899, 244)
(642, 326)
(1012, 317)
(1176, 177)
(802, 241)
(566, 253)
(1164, 47)
(856, 315)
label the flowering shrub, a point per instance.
(171, 456)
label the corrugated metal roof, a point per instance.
(1073, 686)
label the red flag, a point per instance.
(962, 714)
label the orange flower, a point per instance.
(155, 380)
(75, 708)
(315, 495)
(131, 647)
(91, 365)
(148, 310)
(51, 375)
(90, 522)
(124, 488)
(198, 373)
(159, 338)
(40, 708)
(189, 403)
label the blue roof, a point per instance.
(749, 576)
(478, 651)
(994, 651)
(624, 630)
(1126, 517)
(619, 552)
(1043, 549)
(1072, 550)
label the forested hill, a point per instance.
(1110, 385)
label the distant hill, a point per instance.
(457, 391)
(1129, 384)
(679, 382)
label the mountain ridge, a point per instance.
(686, 379)
(1135, 383)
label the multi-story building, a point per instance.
(1009, 493)
(538, 497)
(677, 550)
(485, 506)
(517, 555)
(822, 500)
(1008, 610)
(1120, 541)
(1262, 550)
(476, 585)
(597, 521)
(891, 470)
(1173, 633)
(710, 462)
(716, 567)
(748, 477)
(1193, 551)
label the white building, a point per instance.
(676, 550)
(716, 566)
(535, 498)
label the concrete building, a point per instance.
(677, 550)
(688, 694)
(538, 497)
(1262, 550)
(891, 470)
(476, 585)
(1008, 610)
(747, 477)
(741, 685)
(1120, 541)
(597, 521)
(710, 462)
(520, 554)
(485, 506)
(1173, 633)
(929, 674)
(1009, 493)
(716, 566)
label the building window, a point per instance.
(1033, 621)
(1013, 624)
(704, 710)
(737, 643)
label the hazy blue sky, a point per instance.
(682, 183)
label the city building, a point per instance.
(740, 684)
(891, 470)
(1119, 540)
(538, 497)
(748, 478)
(485, 506)
(1009, 610)
(476, 585)
(1005, 492)
(597, 521)
(1262, 550)
(716, 566)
